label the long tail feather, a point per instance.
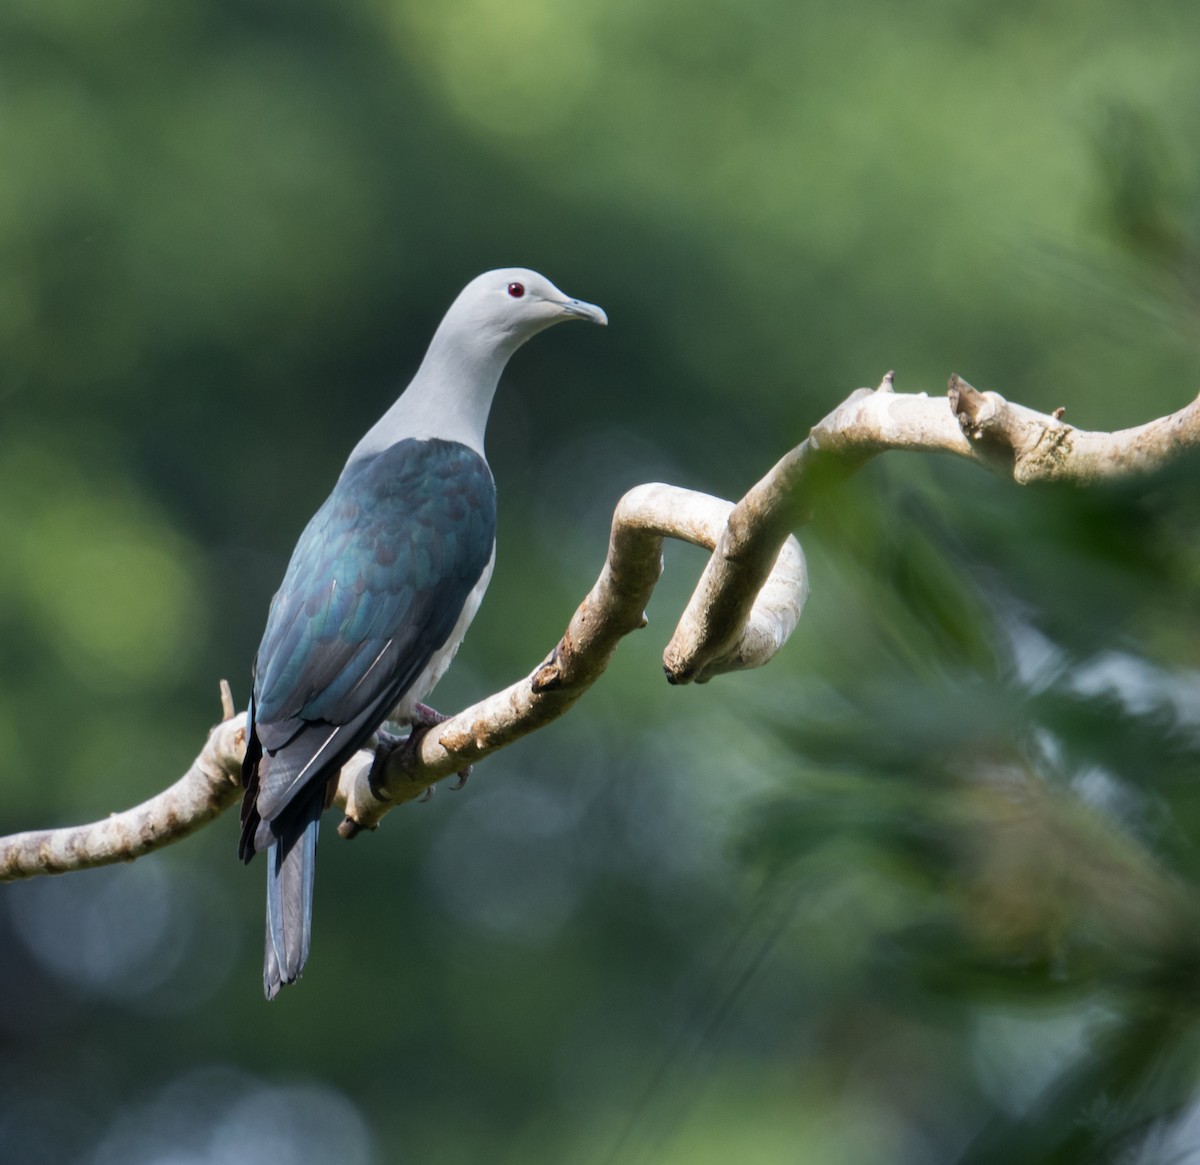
(291, 868)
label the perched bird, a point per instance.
(379, 591)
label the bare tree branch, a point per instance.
(614, 607)
(207, 789)
(743, 610)
(983, 427)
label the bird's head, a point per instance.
(507, 306)
(451, 394)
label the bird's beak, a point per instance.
(577, 309)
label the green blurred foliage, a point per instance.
(924, 889)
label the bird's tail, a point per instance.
(291, 868)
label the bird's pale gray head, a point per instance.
(451, 394)
(509, 305)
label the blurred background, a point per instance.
(922, 891)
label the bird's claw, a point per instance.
(423, 719)
(385, 745)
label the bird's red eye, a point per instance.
(516, 290)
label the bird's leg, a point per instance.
(423, 718)
(385, 744)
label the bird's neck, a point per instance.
(449, 397)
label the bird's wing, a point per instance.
(374, 588)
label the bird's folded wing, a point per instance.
(374, 588)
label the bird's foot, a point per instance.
(423, 719)
(385, 744)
